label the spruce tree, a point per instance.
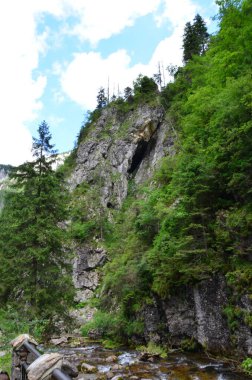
(195, 38)
(34, 260)
(101, 98)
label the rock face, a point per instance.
(197, 313)
(119, 147)
(86, 271)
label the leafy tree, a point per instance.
(101, 98)
(34, 268)
(144, 88)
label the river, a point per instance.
(128, 364)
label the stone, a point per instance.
(82, 315)
(4, 375)
(116, 367)
(147, 357)
(43, 366)
(85, 273)
(118, 377)
(87, 368)
(59, 341)
(110, 374)
(19, 341)
(69, 368)
(210, 296)
(111, 359)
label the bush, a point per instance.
(112, 328)
(153, 349)
(247, 366)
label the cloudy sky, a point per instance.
(56, 54)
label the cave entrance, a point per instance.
(138, 156)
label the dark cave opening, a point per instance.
(138, 156)
(110, 205)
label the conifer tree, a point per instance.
(195, 38)
(101, 98)
(33, 260)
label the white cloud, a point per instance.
(101, 19)
(82, 77)
(19, 91)
(89, 71)
(177, 12)
(22, 45)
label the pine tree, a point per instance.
(128, 94)
(195, 38)
(101, 98)
(34, 261)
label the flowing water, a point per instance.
(127, 364)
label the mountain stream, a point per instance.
(97, 363)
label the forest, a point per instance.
(190, 221)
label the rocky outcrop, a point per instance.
(86, 271)
(197, 313)
(121, 147)
(118, 147)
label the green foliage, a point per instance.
(233, 315)
(194, 219)
(195, 38)
(153, 349)
(14, 322)
(189, 344)
(101, 98)
(90, 119)
(69, 164)
(247, 365)
(145, 89)
(34, 259)
(88, 217)
(5, 362)
(112, 328)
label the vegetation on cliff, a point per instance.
(194, 218)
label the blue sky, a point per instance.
(56, 54)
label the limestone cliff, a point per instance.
(118, 149)
(121, 147)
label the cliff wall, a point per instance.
(124, 148)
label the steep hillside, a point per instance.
(161, 203)
(158, 217)
(119, 151)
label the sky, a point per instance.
(56, 54)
